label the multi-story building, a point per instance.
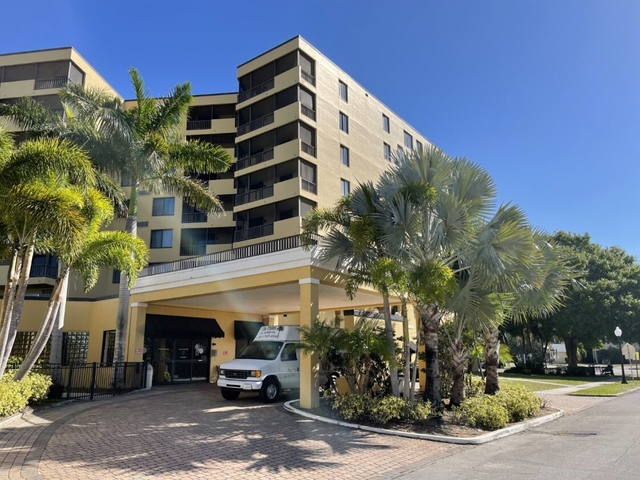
(304, 134)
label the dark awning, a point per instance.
(170, 326)
(248, 330)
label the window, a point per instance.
(387, 151)
(345, 187)
(115, 276)
(75, 346)
(163, 206)
(344, 123)
(161, 238)
(344, 91)
(385, 123)
(408, 140)
(126, 181)
(400, 149)
(418, 145)
(344, 155)
(289, 353)
(108, 346)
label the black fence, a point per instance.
(92, 380)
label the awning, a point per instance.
(247, 330)
(170, 326)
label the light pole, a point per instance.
(618, 333)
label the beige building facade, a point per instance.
(303, 133)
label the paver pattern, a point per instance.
(190, 431)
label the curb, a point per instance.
(479, 440)
(5, 421)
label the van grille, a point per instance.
(236, 374)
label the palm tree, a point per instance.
(41, 188)
(98, 250)
(142, 144)
(319, 339)
(464, 195)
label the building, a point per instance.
(303, 133)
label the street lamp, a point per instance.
(618, 333)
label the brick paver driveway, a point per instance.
(191, 432)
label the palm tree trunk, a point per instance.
(388, 329)
(407, 351)
(13, 275)
(45, 329)
(458, 363)
(21, 291)
(491, 338)
(430, 317)
(414, 379)
(55, 358)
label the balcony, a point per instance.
(306, 111)
(55, 82)
(253, 195)
(46, 271)
(192, 250)
(199, 124)
(256, 124)
(255, 159)
(308, 149)
(195, 217)
(257, 90)
(307, 77)
(309, 186)
(254, 232)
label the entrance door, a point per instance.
(180, 360)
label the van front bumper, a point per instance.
(239, 384)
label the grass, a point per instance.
(562, 381)
(531, 386)
(607, 390)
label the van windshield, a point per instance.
(262, 350)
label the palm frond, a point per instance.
(33, 117)
(198, 157)
(193, 192)
(172, 109)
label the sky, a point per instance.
(544, 94)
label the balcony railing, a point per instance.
(254, 159)
(253, 232)
(309, 186)
(308, 112)
(307, 77)
(262, 248)
(199, 124)
(256, 124)
(195, 217)
(254, 195)
(55, 82)
(257, 90)
(47, 271)
(310, 149)
(192, 250)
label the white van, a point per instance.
(269, 365)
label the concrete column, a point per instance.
(308, 363)
(137, 321)
(349, 322)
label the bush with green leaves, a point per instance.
(519, 402)
(473, 386)
(486, 411)
(379, 410)
(15, 396)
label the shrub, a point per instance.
(39, 386)
(14, 396)
(473, 386)
(486, 412)
(379, 410)
(519, 402)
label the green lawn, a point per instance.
(606, 390)
(555, 379)
(532, 386)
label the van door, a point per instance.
(290, 367)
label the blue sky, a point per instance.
(544, 94)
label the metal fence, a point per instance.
(92, 380)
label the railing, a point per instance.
(309, 186)
(308, 112)
(192, 250)
(48, 271)
(254, 159)
(310, 149)
(55, 82)
(199, 124)
(256, 124)
(253, 232)
(307, 77)
(197, 217)
(257, 90)
(263, 248)
(87, 381)
(253, 195)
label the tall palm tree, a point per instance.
(98, 250)
(41, 188)
(464, 196)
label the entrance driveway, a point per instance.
(191, 432)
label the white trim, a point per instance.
(139, 304)
(313, 281)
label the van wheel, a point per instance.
(229, 394)
(270, 390)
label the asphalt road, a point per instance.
(601, 442)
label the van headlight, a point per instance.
(222, 372)
(255, 373)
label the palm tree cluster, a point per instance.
(430, 233)
(60, 187)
